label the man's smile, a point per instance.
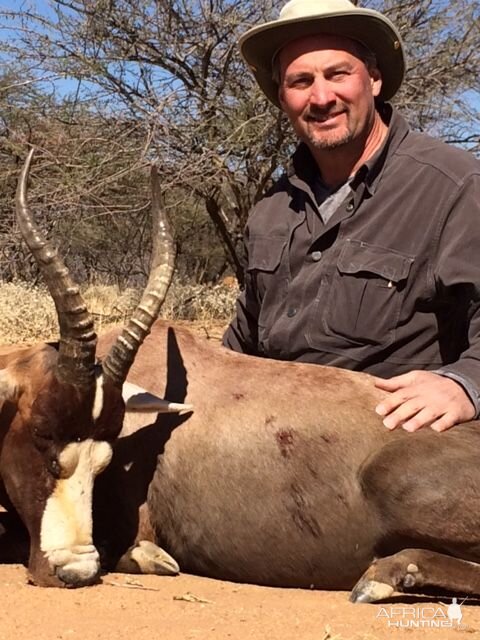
(325, 118)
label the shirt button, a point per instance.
(292, 311)
(316, 255)
(350, 206)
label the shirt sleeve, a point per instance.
(242, 333)
(458, 269)
(469, 389)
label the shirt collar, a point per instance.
(370, 173)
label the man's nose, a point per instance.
(321, 93)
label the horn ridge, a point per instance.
(76, 360)
(122, 354)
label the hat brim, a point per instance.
(260, 44)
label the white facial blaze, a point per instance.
(7, 386)
(67, 519)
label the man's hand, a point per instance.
(423, 398)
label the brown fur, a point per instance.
(283, 474)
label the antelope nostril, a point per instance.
(72, 578)
(81, 572)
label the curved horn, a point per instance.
(122, 354)
(76, 358)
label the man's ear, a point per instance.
(375, 81)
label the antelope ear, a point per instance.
(138, 399)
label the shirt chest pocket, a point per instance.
(365, 295)
(265, 269)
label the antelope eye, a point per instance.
(54, 468)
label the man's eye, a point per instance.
(300, 82)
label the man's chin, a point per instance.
(325, 136)
(328, 142)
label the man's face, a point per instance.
(327, 91)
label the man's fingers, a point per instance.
(393, 401)
(444, 422)
(392, 384)
(403, 412)
(411, 417)
(424, 418)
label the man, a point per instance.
(366, 254)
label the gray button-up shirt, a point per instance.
(388, 283)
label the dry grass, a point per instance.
(197, 302)
(27, 313)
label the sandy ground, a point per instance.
(189, 607)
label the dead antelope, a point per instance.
(282, 475)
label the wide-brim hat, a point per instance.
(300, 18)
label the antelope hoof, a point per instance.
(370, 591)
(148, 558)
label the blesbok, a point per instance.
(282, 475)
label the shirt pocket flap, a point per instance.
(265, 253)
(357, 257)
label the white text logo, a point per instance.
(431, 617)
